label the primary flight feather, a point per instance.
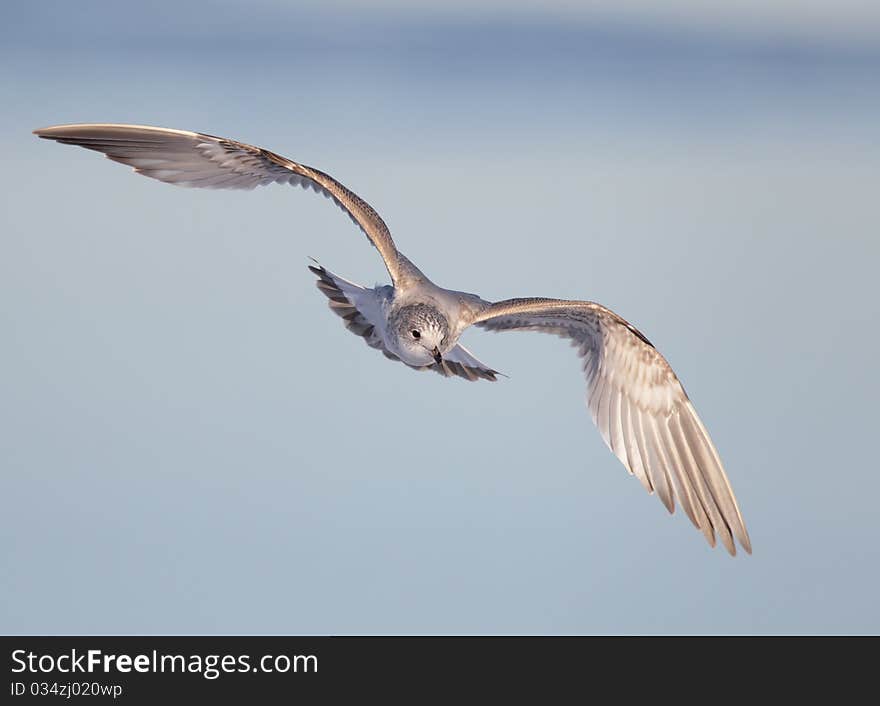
(634, 397)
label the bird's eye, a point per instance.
(415, 334)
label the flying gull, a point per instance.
(634, 397)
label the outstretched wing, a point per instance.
(195, 159)
(640, 408)
(362, 311)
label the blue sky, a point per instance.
(190, 441)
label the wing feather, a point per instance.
(680, 480)
(655, 472)
(630, 439)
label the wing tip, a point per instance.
(709, 534)
(53, 132)
(44, 132)
(730, 544)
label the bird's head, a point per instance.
(422, 333)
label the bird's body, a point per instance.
(634, 397)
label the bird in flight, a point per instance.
(634, 397)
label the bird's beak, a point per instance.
(437, 357)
